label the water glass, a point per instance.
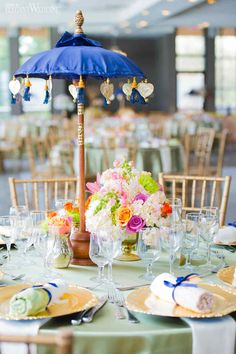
(6, 233)
(209, 226)
(176, 205)
(19, 210)
(96, 255)
(171, 237)
(149, 249)
(190, 237)
(110, 246)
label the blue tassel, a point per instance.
(13, 99)
(104, 102)
(136, 97)
(80, 95)
(27, 94)
(47, 96)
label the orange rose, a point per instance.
(166, 209)
(123, 215)
(68, 206)
(51, 214)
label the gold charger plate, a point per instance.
(75, 300)
(224, 243)
(226, 274)
(142, 300)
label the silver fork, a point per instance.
(121, 303)
(112, 298)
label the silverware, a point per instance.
(112, 297)
(121, 303)
(126, 288)
(78, 320)
(88, 317)
(14, 277)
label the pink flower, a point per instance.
(135, 224)
(117, 163)
(141, 196)
(94, 187)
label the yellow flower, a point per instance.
(123, 215)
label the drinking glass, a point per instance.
(209, 226)
(171, 237)
(96, 255)
(190, 237)
(110, 246)
(19, 210)
(149, 249)
(39, 217)
(22, 226)
(6, 233)
(176, 205)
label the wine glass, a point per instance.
(22, 225)
(149, 249)
(19, 210)
(96, 255)
(190, 237)
(209, 226)
(6, 233)
(176, 205)
(110, 246)
(171, 236)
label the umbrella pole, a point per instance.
(80, 238)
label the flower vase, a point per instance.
(61, 252)
(127, 246)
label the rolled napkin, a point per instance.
(234, 279)
(31, 301)
(226, 234)
(181, 292)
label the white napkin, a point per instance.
(226, 234)
(25, 328)
(212, 335)
(193, 298)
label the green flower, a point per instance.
(148, 183)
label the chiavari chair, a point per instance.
(198, 191)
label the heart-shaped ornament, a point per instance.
(107, 90)
(73, 91)
(127, 89)
(14, 86)
(145, 89)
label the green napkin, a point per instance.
(29, 302)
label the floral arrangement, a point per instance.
(125, 199)
(62, 223)
(72, 211)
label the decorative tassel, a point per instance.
(80, 91)
(27, 94)
(145, 89)
(107, 90)
(135, 95)
(13, 99)
(47, 95)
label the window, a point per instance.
(4, 72)
(190, 67)
(225, 71)
(31, 42)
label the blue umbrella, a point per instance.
(76, 57)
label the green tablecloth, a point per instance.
(106, 335)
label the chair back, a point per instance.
(40, 194)
(63, 341)
(198, 191)
(221, 137)
(198, 150)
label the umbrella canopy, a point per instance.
(76, 55)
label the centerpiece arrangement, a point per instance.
(125, 201)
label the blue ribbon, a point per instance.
(47, 291)
(232, 224)
(180, 282)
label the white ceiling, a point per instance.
(118, 17)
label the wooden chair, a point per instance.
(198, 150)
(220, 139)
(40, 194)
(63, 341)
(197, 192)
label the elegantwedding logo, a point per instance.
(30, 8)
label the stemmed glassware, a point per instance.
(6, 234)
(172, 236)
(190, 237)
(149, 249)
(19, 210)
(209, 226)
(176, 205)
(97, 256)
(110, 246)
